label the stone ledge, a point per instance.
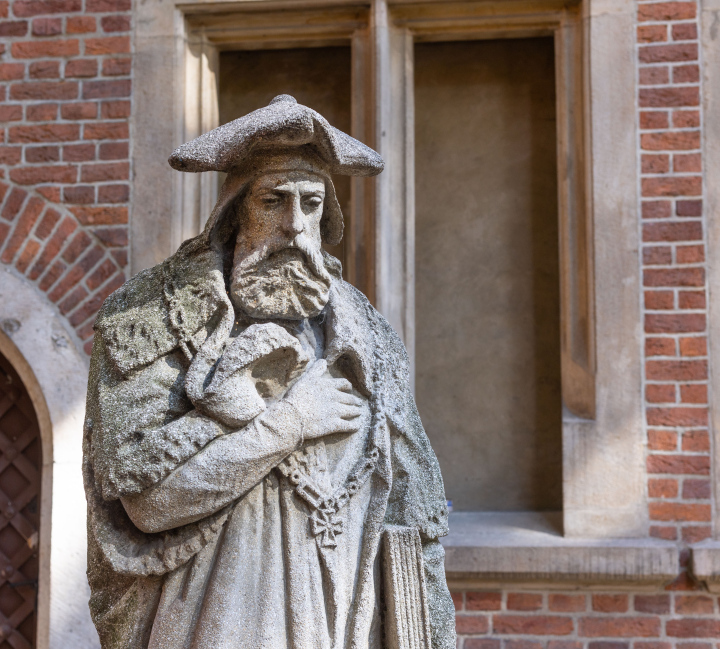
(528, 547)
(705, 563)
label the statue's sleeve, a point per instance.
(143, 425)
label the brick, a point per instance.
(668, 53)
(689, 208)
(690, 254)
(80, 25)
(654, 76)
(655, 163)
(678, 464)
(662, 440)
(483, 601)
(81, 68)
(43, 174)
(120, 256)
(664, 532)
(686, 118)
(79, 194)
(4, 231)
(106, 131)
(114, 150)
(524, 602)
(652, 33)
(72, 300)
(652, 119)
(657, 255)
(108, 6)
(106, 89)
(687, 162)
(27, 255)
(116, 67)
(13, 27)
(22, 229)
(76, 247)
(677, 512)
(662, 488)
(620, 627)
(42, 154)
(38, 49)
(656, 209)
(71, 278)
(695, 534)
(49, 192)
(471, 624)
(522, 644)
(115, 109)
(64, 230)
(90, 308)
(608, 644)
(693, 628)
(673, 140)
(656, 323)
(669, 97)
(693, 276)
(696, 346)
(665, 11)
(673, 186)
(696, 489)
(691, 300)
(51, 276)
(458, 599)
(560, 603)
(79, 111)
(4, 5)
(100, 215)
(44, 70)
(532, 624)
(63, 90)
(47, 223)
(686, 74)
(14, 203)
(41, 112)
(652, 645)
(47, 26)
(113, 194)
(610, 603)
(657, 300)
(105, 171)
(11, 112)
(115, 23)
(28, 8)
(121, 45)
(677, 416)
(564, 644)
(481, 643)
(11, 71)
(696, 441)
(10, 155)
(79, 152)
(659, 346)
(684, 32)
(658, 604)
(663, 393)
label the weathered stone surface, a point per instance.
(251, 434)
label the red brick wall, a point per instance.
(65, 86)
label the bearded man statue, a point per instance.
(256, 471)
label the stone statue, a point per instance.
(256, 471)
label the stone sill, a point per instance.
(527, 547)
(706, 563)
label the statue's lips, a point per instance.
(287, 255)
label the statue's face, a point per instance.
(278, 270)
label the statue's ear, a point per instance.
(332, 224)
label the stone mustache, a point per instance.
(256, 471)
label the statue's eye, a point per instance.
(271, 200)
(312, 201)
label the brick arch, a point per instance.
(75, 265)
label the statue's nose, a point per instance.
(295, 222)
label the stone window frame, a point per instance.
(604, 518)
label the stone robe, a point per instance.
(241, 565)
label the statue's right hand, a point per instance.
(326, 403)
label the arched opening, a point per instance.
(20, 483)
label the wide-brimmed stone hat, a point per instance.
(276, 137)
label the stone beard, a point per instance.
(279, 281)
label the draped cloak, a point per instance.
(138, 431)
